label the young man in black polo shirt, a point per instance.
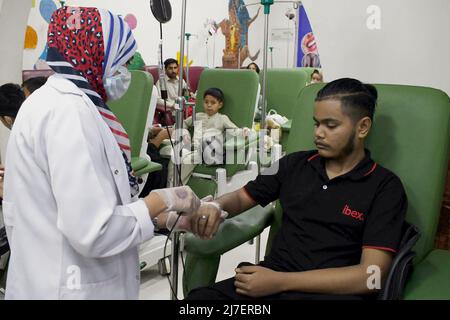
(342, 212)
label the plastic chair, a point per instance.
(194, 77)
(154, 71)
(410, 137)
(28, 74)
(283, 91)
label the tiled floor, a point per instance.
(156, 287)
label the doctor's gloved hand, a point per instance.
(178, 222)
(180, 199)
(206, 220)
(183, 222)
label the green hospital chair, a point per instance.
(132, 111)
(241, 90)
(283, 91)
(410, 136)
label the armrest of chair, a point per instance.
(203, 256)
(402, 264)
(286, 127)
(151, 167)
(143, 166)
(239, 143)
(232, 232)
(430, 279)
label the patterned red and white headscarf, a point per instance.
(86, 46)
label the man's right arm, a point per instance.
(206, 221)
(236, 202)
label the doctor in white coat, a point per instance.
(72, 218)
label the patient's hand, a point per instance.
(205, 222)
(256, 281)
(162, 135)
(178, 222)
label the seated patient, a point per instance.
(13, 95)
(32, 84)
(316, 77)
(209, 130)
(11, 99)
(342, 212)
(157, 179)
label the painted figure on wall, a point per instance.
(235, 30)
(308, 54)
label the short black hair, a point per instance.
(256, 66)
(169, 61)
(11, 98)
(358, 100)
(216, 93)
(33, 84)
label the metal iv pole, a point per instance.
(297, 6)
(266, 4)
(179, 117)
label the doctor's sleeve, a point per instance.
(89, 213)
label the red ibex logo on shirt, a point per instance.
(353, 213)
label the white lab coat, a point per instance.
(73, 228)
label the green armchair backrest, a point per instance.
(240, 88)
(283, 89)
(132, 108)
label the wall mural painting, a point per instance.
(308, 54)
(131, 20)
(46, 9)
(31, 38)
(235, 29)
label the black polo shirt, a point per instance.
(326, 223)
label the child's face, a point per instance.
(211, 105)
(316, 78)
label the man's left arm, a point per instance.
(366, 277)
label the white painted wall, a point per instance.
(13, 17)
(412, 46)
